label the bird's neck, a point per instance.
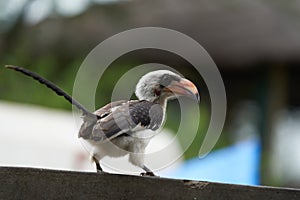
(162, 102)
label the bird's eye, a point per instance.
(157, 92)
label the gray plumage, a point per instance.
(122, 117)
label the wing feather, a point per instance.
(122, 117)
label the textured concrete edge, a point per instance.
(27, 183)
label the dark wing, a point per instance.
(122, 117)
(147, 114)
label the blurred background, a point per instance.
(255, 44)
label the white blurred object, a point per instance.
(285, 147)
(71, 8)
(33, 136)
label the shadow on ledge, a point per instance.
(29, 183)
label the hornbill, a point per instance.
(126, 127)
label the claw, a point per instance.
(101, 172)
(147, 174)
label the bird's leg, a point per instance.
(98, 167)
(148, 172)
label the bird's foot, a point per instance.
(147, 174)
(101, 172)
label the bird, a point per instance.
(125, 127)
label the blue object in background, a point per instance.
(237, 164)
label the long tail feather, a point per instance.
(53, 87)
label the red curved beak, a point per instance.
(184, 87)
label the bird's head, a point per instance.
(161, 85)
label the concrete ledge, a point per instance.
(28, 183)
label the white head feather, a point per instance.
(145, 88)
